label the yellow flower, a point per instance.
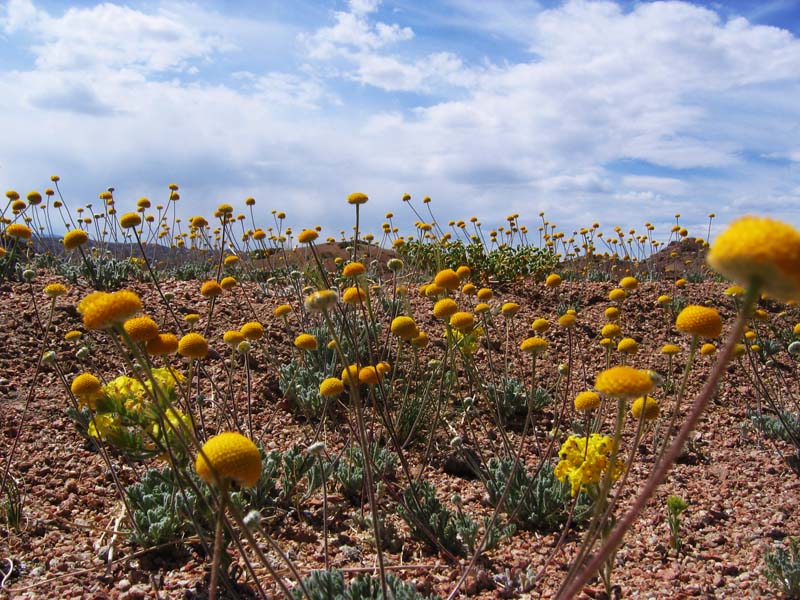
(191, 318)
(282, 310)
(708, 349)
(509, 309)
(72, 335)
(629, 283)
(445, 308)
(584, 461)
(307, 236)
(734, 291)
(540, 325)
(86, 388)
(681, 282)
(54, 290)
(357, 198)
(210, 289)
(586, 401)
(421, 340)
(252, 331)
(141, 329)
(165, 343)
(485, 294)
(321, 301)
(796, 329)
(663, 300)
(129, 220)
(648, 406)
(193, 345)
(354, 295)
(760, 249)
(628, 346)
(102, 310)
(623, 381)
(332, 386)
(567, 320)
(482, 307)
(404, 327)
(612, 313)
(233, 337)
(19, 231)
(553, 280)
(469, 289)
(701, 321)
(617, 295)
(229, 456)
(463, 272)
(611, 330)
(350, 374)
(533, 345)
(306, 341)
(354, 269)
(462, 321)
(228, 283)
(670, 349)
(103, 425)
(447, 279)
(75, 238)
(369, 375)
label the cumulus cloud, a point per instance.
(615, 113)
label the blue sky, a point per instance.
(618, 112)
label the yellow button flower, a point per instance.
(229, 456)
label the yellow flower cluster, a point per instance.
(583, 464)
(102, 310)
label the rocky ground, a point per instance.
(743, 499)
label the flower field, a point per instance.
(230, 408)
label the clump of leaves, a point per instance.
(349, 471)
(539, 501)
(456, 532)
(160, 509)
(14, 504)
(511, 398)
(300, 386)
(330, 585)
(675, 507)
(784, 426)
(783, 568)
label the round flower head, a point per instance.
(612, 313)
(448, 279)
(252, 331)
(357, 198)
(680, 282)
(307, 236)
(210, 289)
(421, 340)
(796, 329)
(623, 382)
(19, 231)
(233, 337)
(628, 283)
(350, 374)
(648, 406)
(739, 350)
(700, 321)
(54, 290)
(553, 280)
(628, 346)
(369, 375)
(404, 327)
(463, 272)
(282, 310)
(533, 345)
(734, 291)
(586, 401)
(763, 250)
(74, 239)
(482, 307)
(354, 269)
(663, 300)
(708, 349)
(394, 264)
(567, 320)
(306, 341)
(73, 335)
(445, 308)
(229, 456)
(670, 349)
(141, 329)
(164, 343)
(102, 310)
(462, 321)
(617, 295)
(611, 330)
(86, 386)
(469, 289)
(509, 309)
(228, 283)
(485, 294)
(193, 345)
(130, 220)
(354, 295)
(540, 325)
(321, 300)
(332, 386)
